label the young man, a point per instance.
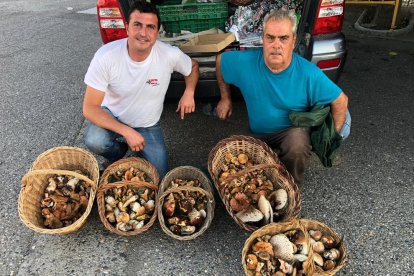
(275, 81)
(126, 85)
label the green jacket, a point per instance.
(325, 139)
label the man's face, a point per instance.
(142, 30)
(278, 44)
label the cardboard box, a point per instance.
(208, 43)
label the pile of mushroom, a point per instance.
(278, 255)
(131, 174)
(129, 208)
(253, 197)
(178, 182)
(64, 201)
(326, 253)
(233, 164)
(185, 211)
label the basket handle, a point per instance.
(247, 170)
(117, 184)
(186, 188)
(27, 185)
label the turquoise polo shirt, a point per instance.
(270, 96)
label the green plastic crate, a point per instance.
(194, 26)
(193, 17)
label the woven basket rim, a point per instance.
(154, 175)
(309, 224)
(101, 206)
(63, 230)
(53, 150)
(234, 138)
(209, 211)
(205, 181)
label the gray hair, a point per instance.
(279, 15)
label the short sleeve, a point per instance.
(324, 89)
(228, 67)
(183, 63)
(96, 76)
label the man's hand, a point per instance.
(186, 104)
(224, 108)
(134, 139)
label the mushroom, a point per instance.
(169, 205)
(122, 217)
(282, 247)
(149, 205)
(315, 234)
(279, 198)
(195, 218)
(251, 261)
(110, 216)
(187, 230)
(135, 206)
(332, 254)
(72, 183)
(318, 259)
(318, 247)
(250, 215)
(328, 242)
(123, 226)
(239, 202)
(266, 209)
(300, 240)
(262, 246)
(130, 200)
(242, 158)
(111, 201)
(51, 187)
(329, 265)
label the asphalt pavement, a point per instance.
(367, 196)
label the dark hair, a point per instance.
(143, 7)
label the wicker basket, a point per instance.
(126, 163)
(257, 150)
(267, 160)
(70, 159)
(209, 211)
(31, 194)
(273, 229)
(100, 198)
(279, 180)
(316, 225)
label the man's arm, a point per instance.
(338, 109)
(93, 112)
(186, 103)
(224, 106)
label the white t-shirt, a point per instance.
(135, 91)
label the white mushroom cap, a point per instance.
(250, 214)
(282, 247)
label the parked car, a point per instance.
(319, 39)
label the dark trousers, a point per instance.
(293, 147)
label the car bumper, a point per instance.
(330, 48)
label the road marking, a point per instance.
(88, 11)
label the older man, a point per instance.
(126, 85)
(275, 81)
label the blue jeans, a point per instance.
(112, 146)
(346, 128)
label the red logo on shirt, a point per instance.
(152, 82)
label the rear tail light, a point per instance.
(330, 17)
(111, 21)
(330, 63)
